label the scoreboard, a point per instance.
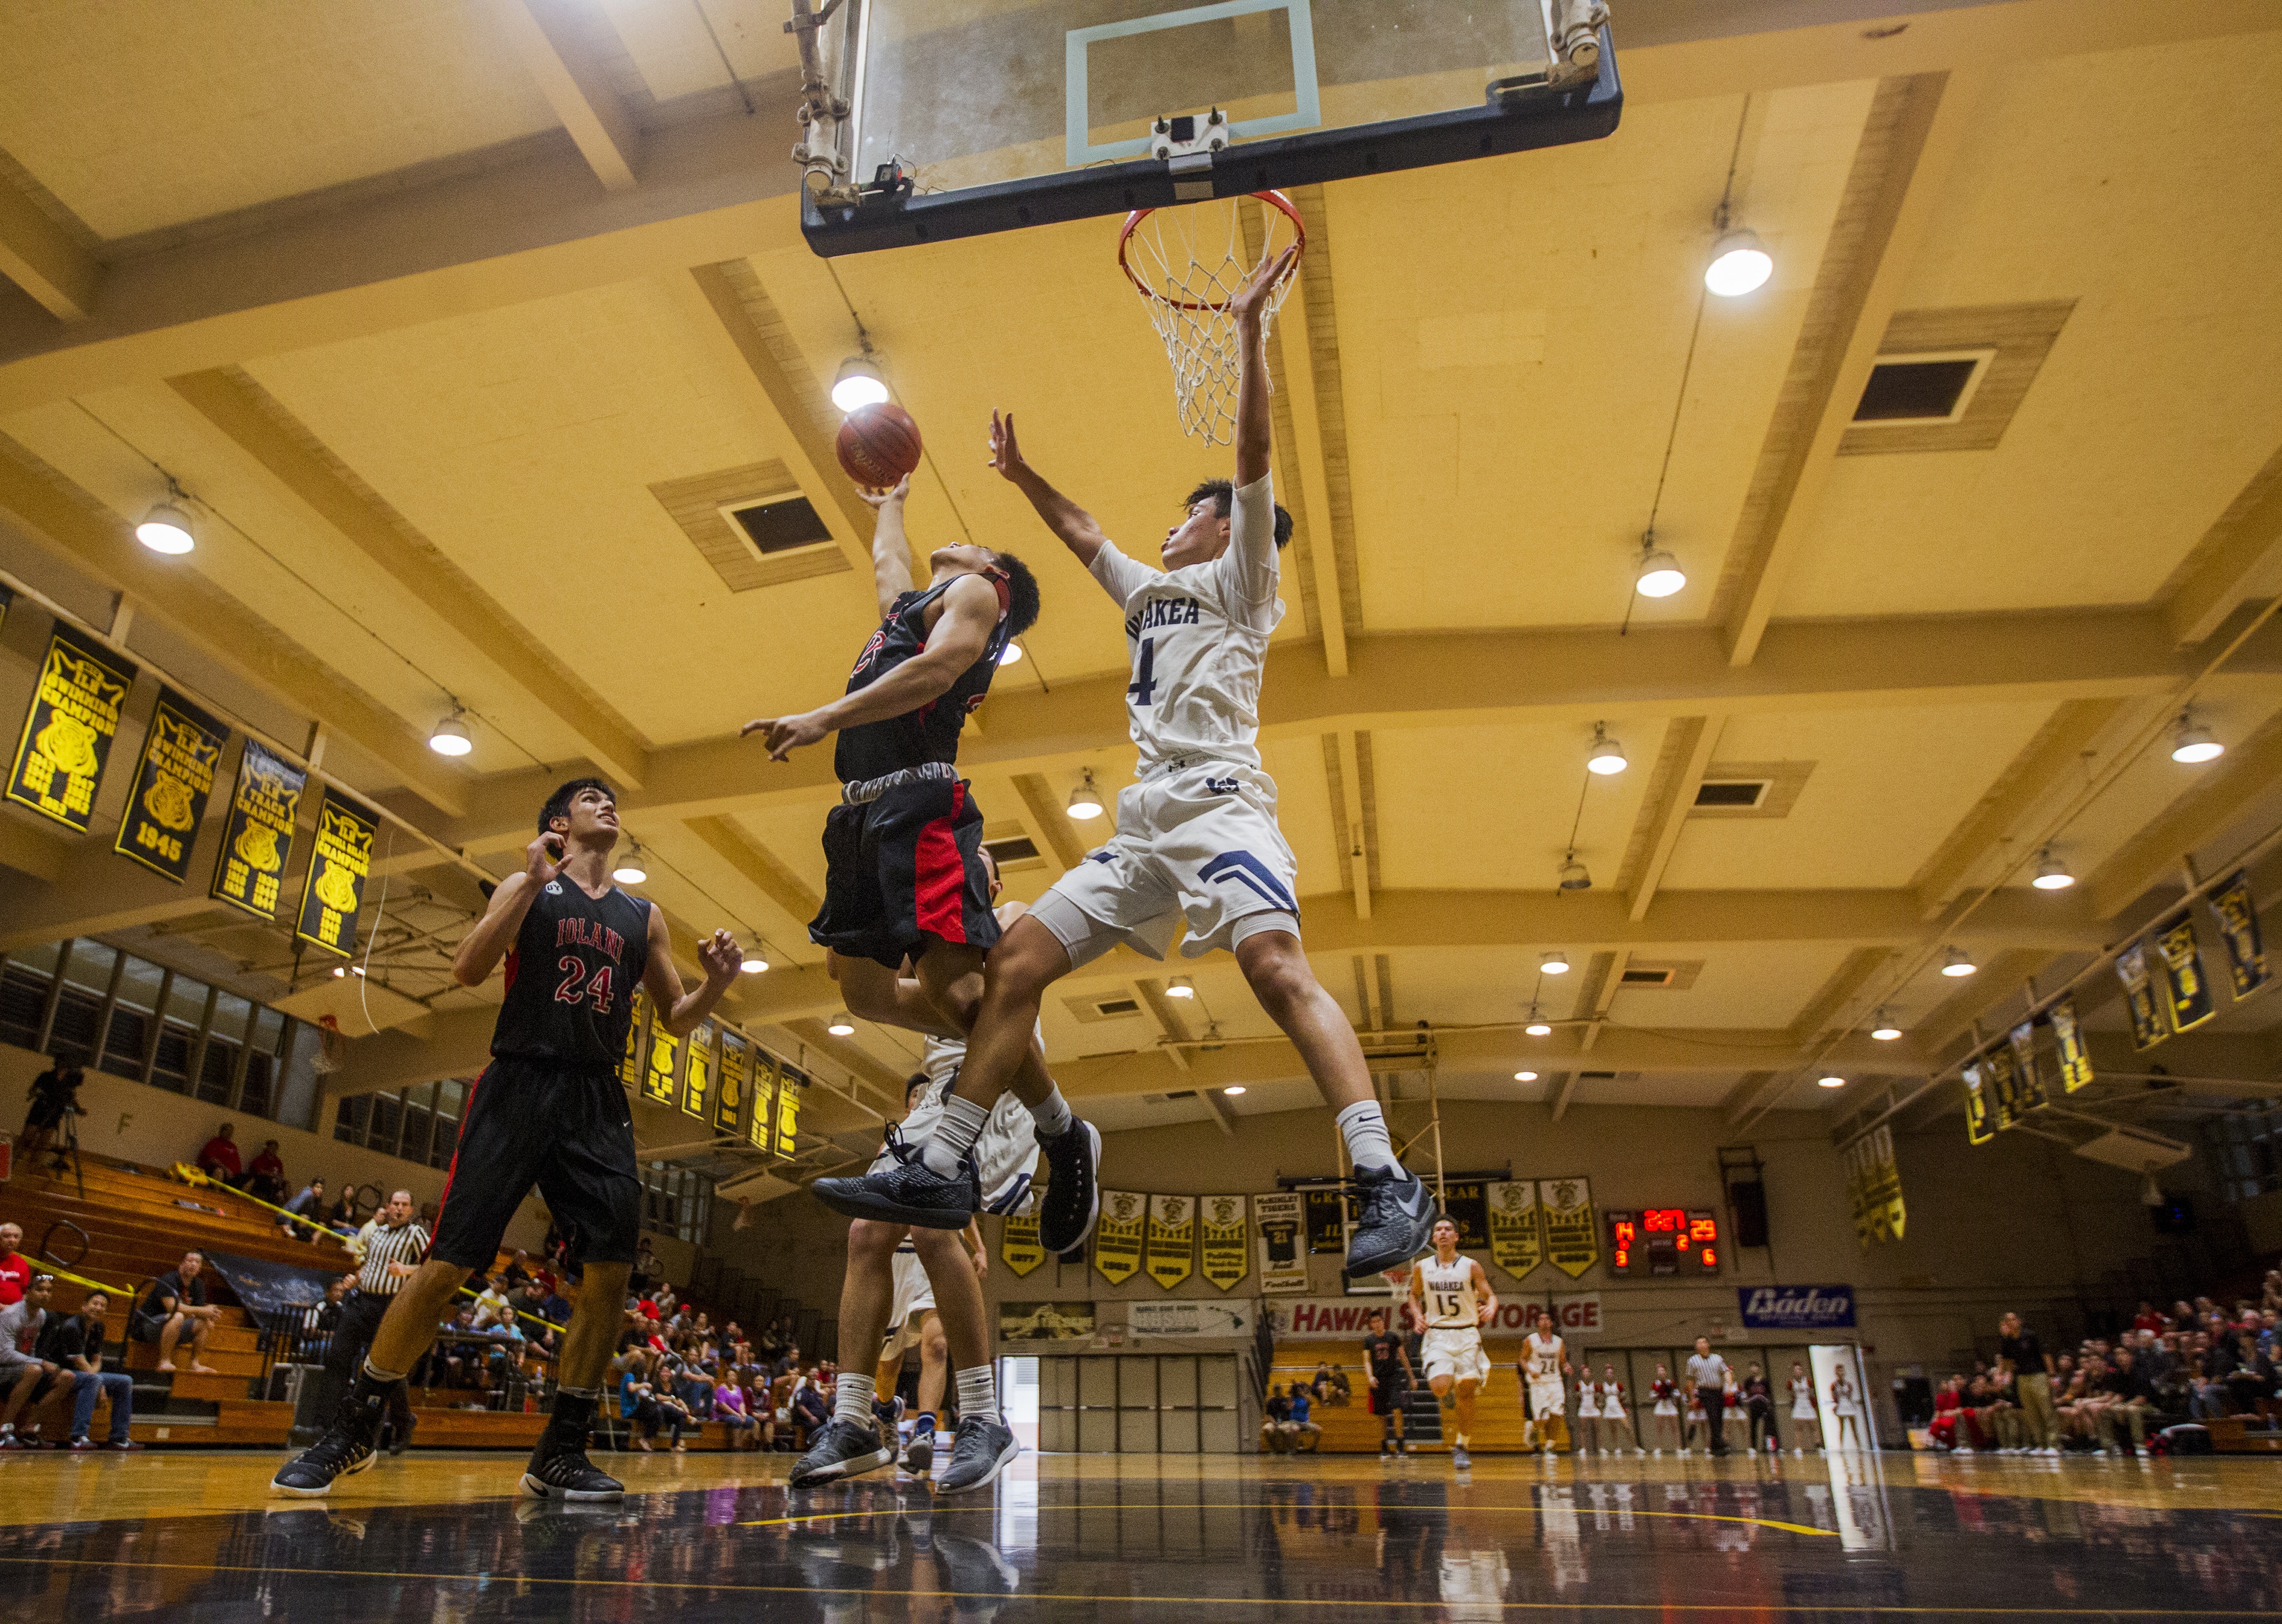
(1663, 1240)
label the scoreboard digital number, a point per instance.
(1663, 1240)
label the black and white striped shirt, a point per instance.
(378, 1245)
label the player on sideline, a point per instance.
(1387, 1367)
(1454, 1299)
(1545, 1367)
(905, 878)
(549, 1110)
(1196, 836)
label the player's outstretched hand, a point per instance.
(721, 956)
(542, 858)
(1006, 452)
(784, 734)
(880, 499)
(1252, 298)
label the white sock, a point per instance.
(1365, 1132)
(978, 1394)
(1051, 1115)
(853, 1401)
(954, 1135)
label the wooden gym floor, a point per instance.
(1186, 1539)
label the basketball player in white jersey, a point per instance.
(1197, 843)
(1545, 1370)
(1453, 1299)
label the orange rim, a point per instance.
(1274, 199)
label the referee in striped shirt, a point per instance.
(388, 1249)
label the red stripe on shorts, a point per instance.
(939, 875)
(467, 1110)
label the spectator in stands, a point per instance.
(308, 1209)
(265, 1180)
(491, 1311)
(1948, 1425)
(2023, 1359)
(321, 1319)
(55, 1094)
(74, 1347)
(2148, 1319)
(21, 1369)
(730, 1409)
(218, 1158)
(1276, 1421)
(810, 1411)
(175, 1307)
(1342, 1389)
(1306, 1434)
(2249, 1374)
(2131, 1401)
(15, 1268)
(517, 1271)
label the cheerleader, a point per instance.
(1698, 1424)
(1614, 1424)
(1802, 1411)
(1845, 1411)
(1663, 1414)
(1588, 1412)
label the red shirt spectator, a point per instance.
(221, 1151)
(269, 1162)
(2148, 1320)
(15, 1268)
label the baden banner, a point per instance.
(1172, 1246)
(67, 732)
(180, 753)
(789, 1082)
(1980, 1118)
(1227, 1245)
(630, 1064)
(664, 1071)
(1796, 1307)
(1467, 1203)
(1017, 1243)
(1327, 1221)
(257, 838)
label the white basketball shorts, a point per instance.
(1455, 1354)
(1005, 1156)
(914, 1300)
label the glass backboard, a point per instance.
(963, 119)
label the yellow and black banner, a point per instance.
(789, 1082)
(736, 1055)
(2068, 1038)
(1874, 1188)
(662, 1075)
(1117, 1235)
(1467, 1204)
(2189, 988)
(1172, 1247)
(630, 1063)
(1017, 1243)
(760, 1127)
(1517, 1238)
(697, 1075)
(2139, 997)
(1327, 1220)
(2238, 928)
(257, 839)
(1980, 1123)
(182, 751)
(67, 732)
(2029, 1093)
(340, 861)
(1572, 1238)
(1227, 1241)
(1998, 1066)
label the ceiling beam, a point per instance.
(286, 457)
(1308, 333)
(1049, 824)
(1695, 740)
(2221, 794)
(1169, 1023)
(574, 86)
(759, 865)
(39, 257)
(66, 522)
(2236, 556)
(1356, 837)
(1917, 125)
(1844, 985)
(2051, 760)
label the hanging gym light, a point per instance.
(857, 383)
(1658, 573)
(2052, 874)
(1554, 964)
(1882, 1027)
(2192, 742)
(1180, 987)
(1740, 264)
(1085, 801)
(1574, 876)
(166, 529)
(1957, 961)
(1830, 1082)
(1606, 756)
(754, 959)
(841, 1024)
(630, 870)
(1525, 1076)
(450, 737)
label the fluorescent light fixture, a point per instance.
(166, 529)
(857, 383)
(1740, 264)
(1085, 801)
(2052, 874)
(2192, 742)
(1606, 756)
(841, 1024)
(1180, 987)
(1554, 964)
(1957, 961)
(450, 737)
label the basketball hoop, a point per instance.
(1188, 262)
(332, 1048)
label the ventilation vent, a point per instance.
(1185, 1094)
(783, 525)
(1670, 975)
(1597, 1076)
(1014, 851)
(1646, 978)
(1749, 789)
(1109, 1008)
(1093, 1009)
(1732, 791)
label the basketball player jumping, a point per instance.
(905, 878)
(549, 1110)
(1453, 1297)
(1196, 841)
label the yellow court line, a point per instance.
(1659, 1607)
(1262, 1506)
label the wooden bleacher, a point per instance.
(1500, 1422)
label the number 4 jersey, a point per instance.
(570, 977)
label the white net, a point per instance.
(1188, 262)
(332, 1046)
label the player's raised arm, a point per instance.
(891, 549)
(1073, 524)
(482, 948)
(683, 1011)
(1255, 433)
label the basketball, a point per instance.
(879, 445)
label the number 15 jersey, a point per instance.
(1199, 637)
(571, 978)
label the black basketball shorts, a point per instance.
(903, 871)
(1386, 1397)
(571, 1133)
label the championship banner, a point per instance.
(2139, 997)
(1227, 1245)
(1979, 1129)
(2075, 1059)
(2027, 1081)
(1573, 1239)
(181, 753)
(760, 1126)
(1856, 1203)
(1019, 1247)
(697, 1077)
(664, 1067)
(630, 1063)
(1117, 1235)
(67, 732)
(2189, 988)
(257, 838)
(1327, 1221)
(2238, 928)
(736, 1056)
(1998, 1066)
(1172, 1247)
(1874, 1183)
(789, 1082)
(1282, 1242)
(1517, 1238)
(1468, 1206)
(339, 863)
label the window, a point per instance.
(87, 982)
(24, 984)
(225, 1038)
(2245, 1152)
(351, 1118)
(133, 1018)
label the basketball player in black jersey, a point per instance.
(549, 1110)
(904, 878)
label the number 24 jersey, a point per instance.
(570, 977)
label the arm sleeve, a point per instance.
(1119, 576)
(1250, 569)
